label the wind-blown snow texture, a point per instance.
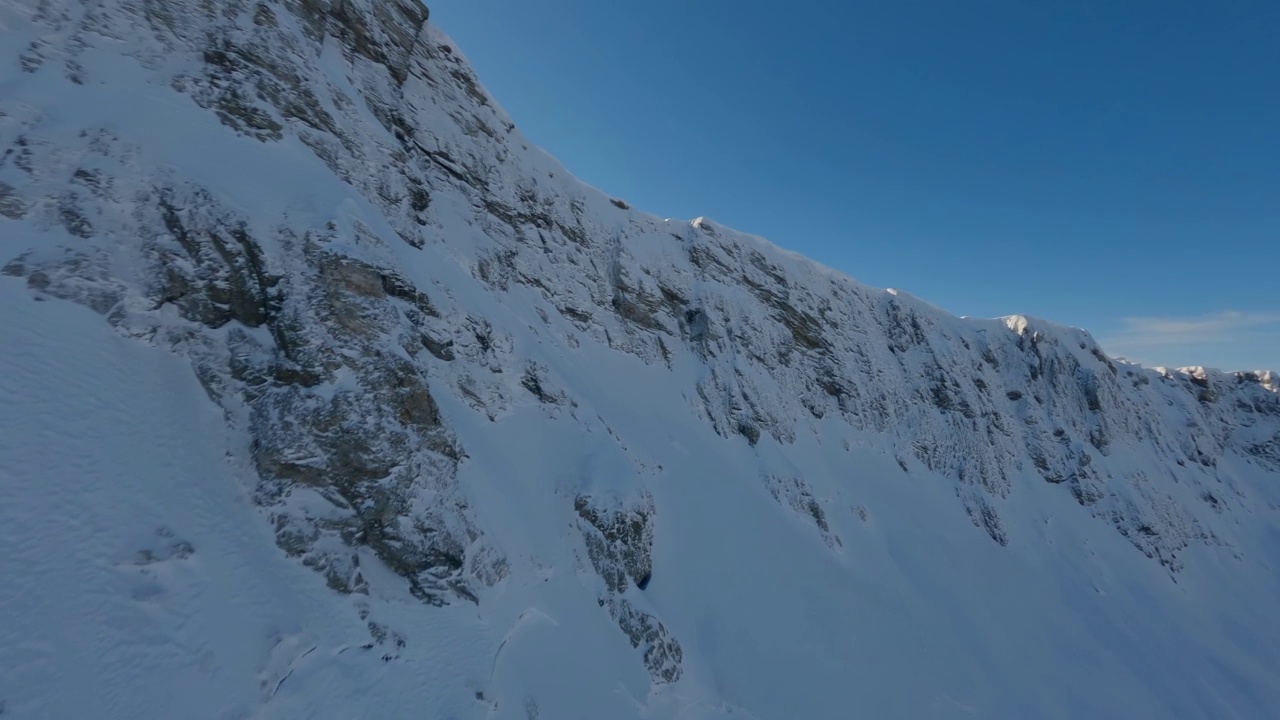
(325, 395)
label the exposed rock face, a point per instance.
(315, 351)
(619, 543)
(335, 343)
(795, 494)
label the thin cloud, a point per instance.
(1221, 339)
(1156, 331)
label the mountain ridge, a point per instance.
(419, 327)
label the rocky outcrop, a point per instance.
(795, 494)
(315, 352)
(619, 543)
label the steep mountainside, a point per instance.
(321, 374)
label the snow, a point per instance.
(111, 462)
(144, 578)
(113, 455)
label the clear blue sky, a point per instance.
(1113, 165)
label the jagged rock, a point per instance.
(662, 654)
(619, 543)
(619, 540)
(369, 451)
(794, 493)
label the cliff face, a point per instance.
(455, 371)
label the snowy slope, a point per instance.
(324, 395)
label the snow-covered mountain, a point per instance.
(324, 395)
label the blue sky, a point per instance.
(1109, 165)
